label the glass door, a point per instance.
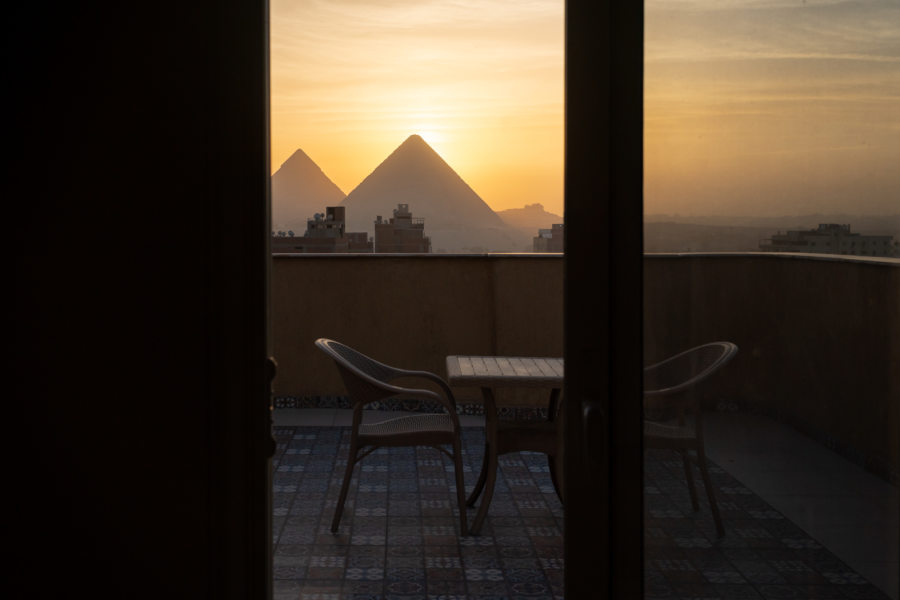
(770, 222)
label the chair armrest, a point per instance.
(403, 373)
(423, 394)
(446, 399)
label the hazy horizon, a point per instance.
(893, 211)
(752, 108)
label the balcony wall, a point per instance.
(412, 311)
(819, 340)
(818, 336)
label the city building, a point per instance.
(550, 240)
(324, 233)
(401, 233)
(829, 238)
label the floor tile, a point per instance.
(398, 534)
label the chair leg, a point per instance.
(689, 475)
(348, 474)
(460, 487)
(482, 477)
(551, 467)
(710, 493)
(552, 410)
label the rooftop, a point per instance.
(802, 430)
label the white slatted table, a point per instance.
(503, 436)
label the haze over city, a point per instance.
(757, 107)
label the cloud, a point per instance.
(699, 31)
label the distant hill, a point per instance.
(299, 190)
(456, 218)
(691, 237)
(530, 218)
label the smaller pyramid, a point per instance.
(299, 190)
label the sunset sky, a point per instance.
(752, 107)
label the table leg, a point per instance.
(489, 466)
(553, 405)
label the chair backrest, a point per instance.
(355, 360)
(364, 377)
(686, 369)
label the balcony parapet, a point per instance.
(413, 310)
(819, 335)
(819, 339)
(887, 261)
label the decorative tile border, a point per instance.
(873, 464)
(343, 402)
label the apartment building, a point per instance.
(402, 233)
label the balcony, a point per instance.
(803, 431)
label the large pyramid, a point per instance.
(456, 218)
(299, 190)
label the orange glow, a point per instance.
(766, 108)
(753, 107)
(480, 81)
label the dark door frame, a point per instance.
(141, 155)
(603, 299)
(603, 323)
(603, 315)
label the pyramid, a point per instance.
(299, 190)
(456, 218)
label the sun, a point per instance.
(430, 133)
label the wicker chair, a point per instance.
(672, 416)
(367, 381)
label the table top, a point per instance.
(511, 371)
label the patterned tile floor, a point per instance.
(398, 537)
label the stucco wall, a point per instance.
(819, 340)
(412, 311)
